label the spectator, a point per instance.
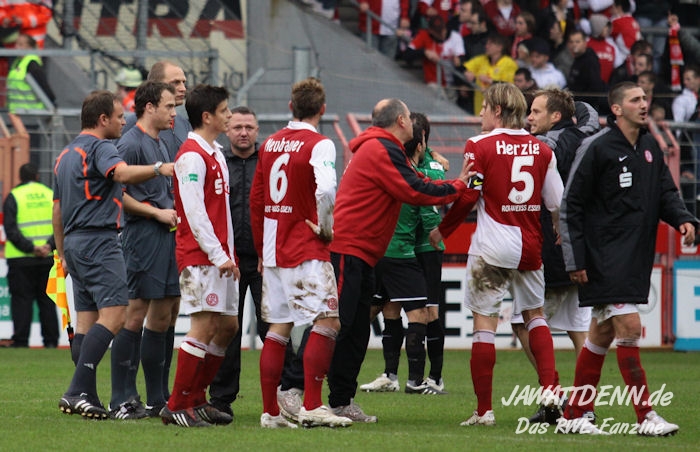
(559, 54)
(20, 94)
(584, 77)
(625, 28)
(392, 12)
(502, 14)
(427, 9)
(602, 45)
(28, 250)
(689, 43)
(684, 108)
(475, 42)
(127, 81)
(524, 29)
(654, 13)
(544, 72)
(657, 93)
(437, 48)
(493, 66)
(460, 21)
(528, 86)
(657, 113)
(557, 12)
(626, 70)
(685, 104)
(474, 45)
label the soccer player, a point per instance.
(205, 258)
(86, 219)
(291, 206)
(505, 252)
(376, 182)
(618, 190)
(148, 241)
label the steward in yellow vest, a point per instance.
(20, 94)
(28, 250)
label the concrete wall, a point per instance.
(355, 78)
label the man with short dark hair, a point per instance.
(205, 259)
(89, 175)
(584, 76)
(148, 241)
(618, 190)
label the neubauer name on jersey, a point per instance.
(283, 145)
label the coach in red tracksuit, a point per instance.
(376, 182)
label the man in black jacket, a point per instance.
(584, 76)
(619, 188)
(551, 119)
(241, 159)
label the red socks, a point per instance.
(635, 378)
(317, 359)
(271, 364)
(588, 368)
(204, 378)
(482, 361)
(190, 359)
(543, 349)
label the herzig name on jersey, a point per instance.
(529, 148)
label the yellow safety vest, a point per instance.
(19, 94)
(34, 209)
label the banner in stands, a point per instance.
(183, 25)
(458, 320)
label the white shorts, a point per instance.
(487, 286)
(562, 311)
(607, 311)
(300, 294)
(203, 290)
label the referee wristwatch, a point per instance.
(156, 167)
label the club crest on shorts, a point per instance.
(332, 303)
(212, 299)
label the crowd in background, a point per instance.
(586, 46)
